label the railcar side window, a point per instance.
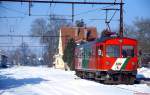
(128, 51)
(112, 51)
(99, 50)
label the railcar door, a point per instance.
(99, 56)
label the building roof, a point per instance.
(78, 34)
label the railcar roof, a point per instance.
(102, 39)
(109, 38)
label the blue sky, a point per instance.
(132, 9)
(136, 8)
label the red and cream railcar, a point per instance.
(110, 60)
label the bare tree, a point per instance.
(16, 57)
(140, 30)
(22, 56)
(38, 28)
(49, 32)
(80, 23)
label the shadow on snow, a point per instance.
(8, 82)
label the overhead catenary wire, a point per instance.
(30, 36)
(14, 10)
(41, 46)
(11, 17)
(73, 15)
(97, 9)
(55, 2)
(103, 19)
(66, 2)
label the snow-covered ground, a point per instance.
(143, 73)
(26, 80)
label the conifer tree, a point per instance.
(68, 56)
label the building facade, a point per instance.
(79, 34)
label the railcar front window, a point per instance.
(112, 51)
(128, 51)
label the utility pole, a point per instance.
(72, 12)
(121, 19)
(30, 7)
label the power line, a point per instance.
(21, 46)
(93, 10)
(29, 36)
(104, 19)
(64, 2)
(10, 17)
(50, 15)
(58, 15)
(81, 3)
(14, 10)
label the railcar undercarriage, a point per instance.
(109, 77)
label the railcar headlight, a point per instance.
(107, 63)
(133, 63)
(107, 76)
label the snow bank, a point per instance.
(143, 72)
